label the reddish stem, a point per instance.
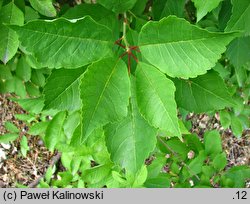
(123, 54)
(134, 57)
(129, 64)
(135, 48)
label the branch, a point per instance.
(53, 161)
(125, 21)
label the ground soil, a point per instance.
(15, 169)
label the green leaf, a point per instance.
(49, 173)
(75, 164)
(208, 171)
(238, 51)
(37, 77)
(194, 143)
(63, 43)
(139, 7)
(71, 123)
(65, 95)
(54, 131)
(163, 8)
(126, 138)
(105, 92)
(19, 87)
(180, 148)
(5, 72)
(139, 178)
(161, 181)
(23, 70)
(225, 119)
(196, 164)
(117, 6)
(32, 89)
(240, 19)
(220, 161)
(239, 174)
(183, 129)
(9, 14)
(24, 146)
(99, 13)
(202, 94)
(38, 128)
(223, 71)
(9, 137)
(156, 166)
(66, 178)
(212, 143)
(96, 174)
(155, 98)
(180, 49)
(32, 105)
(241, 76)
(11, 127)
(225, 14)
(44, 7)
(30, 14)
(203, 7)
(236, 126)
(25, 117)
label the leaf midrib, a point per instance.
(180, 41)
(206, 90)
(64, 90)
(238, 18)
(65, 36)
(101, 95)
(155, 91)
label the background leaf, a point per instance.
(202, 94)
(65, 95)
(164, 8)
(238, 51)
(9, 137)
(45, 7)
(9, 14)
(97, 12)
(212, 143)
(117, 6)
(54, 131)
(23, 70)
(203, 7)
(240, 19)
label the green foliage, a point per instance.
(64, 96)
(110, 98)
(126, 138)
(9, 14)
(24, 146)
(45, 7)
(186, 51)
(110, 89)
(240, 18)
(201, 94)
(9, 137)
(156, 105)
(203, 7)
(63, 45)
